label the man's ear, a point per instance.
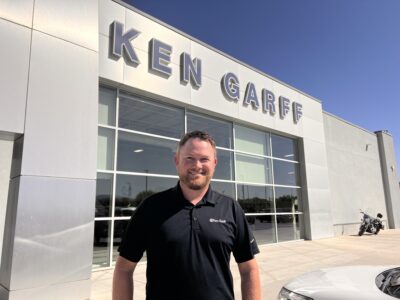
(176, 159)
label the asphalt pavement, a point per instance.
(280, 262)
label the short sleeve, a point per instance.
(245, 246)
(133, 242)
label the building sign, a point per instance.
(231, 89)
(190, 71)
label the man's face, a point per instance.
(195, 163)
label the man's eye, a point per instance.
(204, 160)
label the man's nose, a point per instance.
(198, 163)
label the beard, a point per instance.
(197, 183)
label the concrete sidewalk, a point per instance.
(281, 262)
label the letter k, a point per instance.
(122, 40)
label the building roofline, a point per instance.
(126, 5)
(354, 125)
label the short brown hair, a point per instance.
(197, 134)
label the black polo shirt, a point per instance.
(188, 246)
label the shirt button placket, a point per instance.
(195, 219)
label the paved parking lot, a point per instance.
(281, 262)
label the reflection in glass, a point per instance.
(144, 154)
(104, 184)
(107, 98)
(131, 190)
(225, 188)
(101, 247)
(251, 140)
(287, 199)
(253, 169)
(255, 199)
(283, 147)
(263, 228)
(119, 230)
(286, 173)
(151, 117)
(105, 149)
(221, 131)
(224, 169)
(288, 227)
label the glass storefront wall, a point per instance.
(137, 139)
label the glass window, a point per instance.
(104, 184)
(131, 190)
(283, 147)
(285, 173)
(107, 98)
(224, 169)
(225, 188)
(255, 199)
(119, 230)
(287, 199)
(105, 149)
(144, 154)
(251, 140)
(253, 169)
(288, 227)
(263, 228)
(220, 130)
(147, 116)
(101, 249)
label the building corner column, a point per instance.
(389, 177)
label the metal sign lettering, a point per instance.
(191, 72)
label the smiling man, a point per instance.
(189, 233)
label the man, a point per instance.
(188, 233)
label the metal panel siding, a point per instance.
(53, 228)
(19, 12)
(14, 62)
(73, 21)
(61, 121)
(6, 150)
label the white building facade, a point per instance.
(94, 97)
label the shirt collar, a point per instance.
(208, 199)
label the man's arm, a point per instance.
(250, 280)
(123, 279)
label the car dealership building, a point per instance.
(94, 97)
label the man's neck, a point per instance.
(193, 196)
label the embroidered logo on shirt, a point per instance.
(217, 221)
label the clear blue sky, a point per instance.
(345, 53)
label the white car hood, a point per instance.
(344, 283)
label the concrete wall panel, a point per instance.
(216, 104)
(109, 12)
(390, 178)
(139, 77)
(149, 29)
(314, 174)
(354, 171)
(214, 64)
(109, 68)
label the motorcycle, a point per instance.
(370, 224)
